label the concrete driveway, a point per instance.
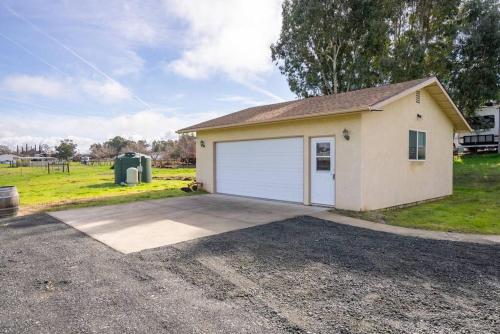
(143, 225)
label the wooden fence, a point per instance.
(58, 167)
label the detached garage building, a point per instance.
(361, 150)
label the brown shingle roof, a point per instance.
(351, 101)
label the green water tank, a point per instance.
(132, 159)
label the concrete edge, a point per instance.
(410, 232)
(83, 233)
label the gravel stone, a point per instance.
(301, 275)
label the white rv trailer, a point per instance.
(486, 130)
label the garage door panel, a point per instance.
(261, 168)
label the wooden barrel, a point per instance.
(9, 201)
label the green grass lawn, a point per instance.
(87, 186)
(474, 206)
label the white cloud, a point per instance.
(230, 37)
(128, 63)
(36, 85)
(101, 91)
(105, 91)
(136, 21)
(245, 100)
(146, 124)
(135, 29)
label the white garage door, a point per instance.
(271, 168)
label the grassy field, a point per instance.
(87, 186)
(474, 206)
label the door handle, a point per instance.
(333, 176)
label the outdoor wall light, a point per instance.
(202, 143)
(346, 134)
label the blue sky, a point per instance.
(89, 70)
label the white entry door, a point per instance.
(323, 171)
(267, 168)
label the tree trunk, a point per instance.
(335, 74)
(312, 47)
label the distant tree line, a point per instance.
(65, 150)
(333, 46)
(24, 150)
(183, 149)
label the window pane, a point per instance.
(413, 145)
(421, 145)
(323, 149)
(323, 163)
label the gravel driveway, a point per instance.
(299, 275)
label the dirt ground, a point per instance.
(301, 275)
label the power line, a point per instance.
(73, 52)
(25, 49)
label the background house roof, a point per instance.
(359, 100)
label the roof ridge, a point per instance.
(336, 103)
(339, 94)
(372, 88)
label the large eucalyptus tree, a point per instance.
(331, 46)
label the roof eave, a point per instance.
(467, 125)
(294, 118)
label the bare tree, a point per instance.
(184, 148)
(44, 149)
(4, 149)
(187, 147)
(140, 146)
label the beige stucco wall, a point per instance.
(389, 178)
(348, 153)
